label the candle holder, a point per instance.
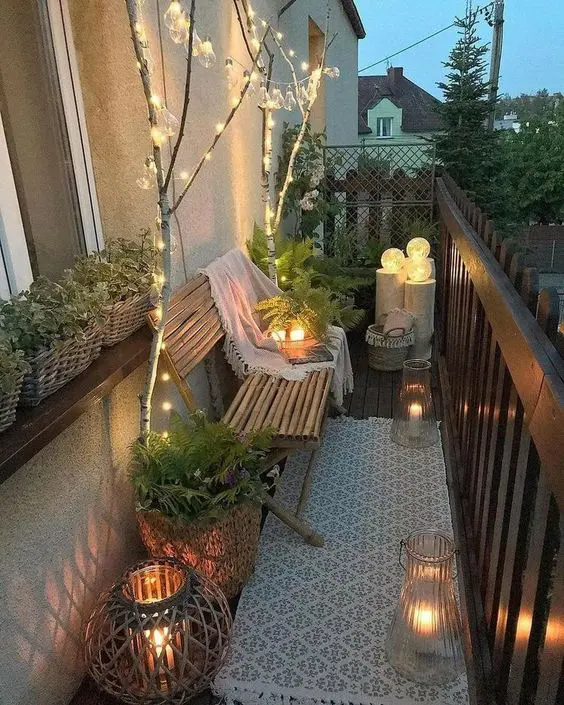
(424, 642)
(159, 635)
(414, 424)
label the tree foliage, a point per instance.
(538, 106)
(466, 146)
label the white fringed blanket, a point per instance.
(312, 623)
(237, 285)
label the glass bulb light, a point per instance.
(148, 178)
(393, 260)
(277, 99)
(196, 44)
(289, 101)
(230, 73)
(263, 97)
(247, 79)
(168, 123)
(332, 71)
(419, 270)
(172, 14)
(180, 29)
(418, 248)
(303, 95)
(207, 55)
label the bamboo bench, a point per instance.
(296, 410)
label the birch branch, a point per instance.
(292, 69)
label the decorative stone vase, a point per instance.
(224, 551)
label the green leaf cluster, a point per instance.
(200, 470)
(49, 314)
(12, 364)
(124, 267)
(312, 309)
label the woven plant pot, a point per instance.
(8, 403)
(124, 318)
(53, 368)
(224, 551)
(387, 353)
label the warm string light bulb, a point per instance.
(393, 260)
(158, 136)
(289, 101)
(418, 248)
(332, 71)
(148, 178)
(304, 66)
(277, 99)
(167, 122)
(248, 80)
(206, 55)
(263, 96)
(167, 406)
(231, 74)
(220, 127)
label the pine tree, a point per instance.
(466, 148)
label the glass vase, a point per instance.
(414, 424)
(424, 642)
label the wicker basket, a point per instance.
(51, 369)
(224, 551)
(125, 317)
(388, 352)
(8, 403)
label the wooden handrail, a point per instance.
(537, 370)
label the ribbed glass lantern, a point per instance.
(159, 635)
(424, 642)
(414, 424)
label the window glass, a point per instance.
(384, 127)
(37, 139)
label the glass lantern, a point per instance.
(414, 424)
(424, 642)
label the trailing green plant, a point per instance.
(49, 314)
(200, 471)
(124, 267)
(12, 365)
(310, 308)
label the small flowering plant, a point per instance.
(199, 470)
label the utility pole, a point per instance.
(495, 63)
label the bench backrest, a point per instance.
(192, 329)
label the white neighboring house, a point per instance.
(508, 122)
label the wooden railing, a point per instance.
(504, 391)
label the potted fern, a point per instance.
(127, 270)
(12, 368)
(308, 309)
(56, 326)
(197, 489)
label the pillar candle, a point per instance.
(420, 301)
(389, 292)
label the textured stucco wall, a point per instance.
(67, 529)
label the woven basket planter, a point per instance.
(53, 368)
(388, 352)
(8, 403)
(224, 551)
(124, 318)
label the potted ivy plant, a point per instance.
(12, 369)
(198, 490)
(127, 270)
(56, 326)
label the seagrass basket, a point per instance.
(53, 368)
(8, 403)
(387, 353)
(124, 318)
(224, 551)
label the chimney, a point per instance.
(395, 74)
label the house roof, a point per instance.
(354, 18)
(419, 107)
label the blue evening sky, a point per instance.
(533, 43)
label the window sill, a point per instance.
(35, 427)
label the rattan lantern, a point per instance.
(159, 635)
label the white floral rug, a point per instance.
(312, 622)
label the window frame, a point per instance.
(379, 122)
(15, 266)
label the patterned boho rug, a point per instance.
(312, 622)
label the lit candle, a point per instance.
(424, 620)
(297, 334)
(160, 640)
(415, 416)
(279, 335)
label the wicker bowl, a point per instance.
(53, 368)
(8, 403)
(387, 353)
(224, 551)
(124, 318)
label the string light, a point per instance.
(165, 434)
(304, 66)
(206, 55)
(148, 178)
(232, 78)
(208, 156)
(291, 52)
(167, 406)
(165, 377)
(220, 127)
(157, 136)
(183, 175)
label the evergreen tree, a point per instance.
(466, 147)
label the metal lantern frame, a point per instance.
(159, 635)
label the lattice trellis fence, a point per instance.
(375, 191)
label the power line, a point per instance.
(430, 36)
